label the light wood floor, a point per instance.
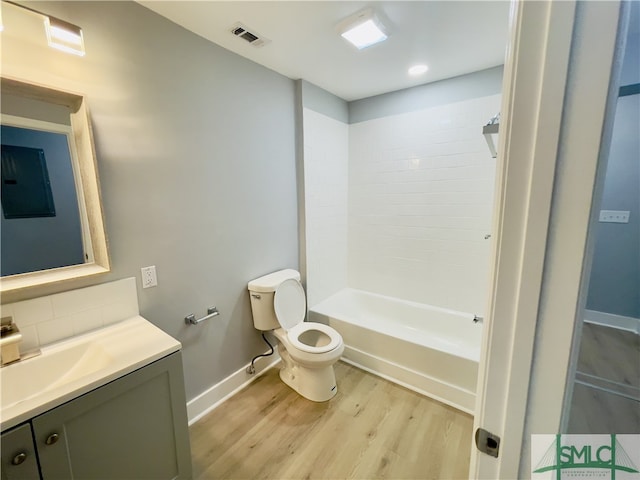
(371, 429)
(595, 411)
(610, 353)
(609, 359)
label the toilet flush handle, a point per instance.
(256, 296)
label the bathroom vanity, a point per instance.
(118, 412)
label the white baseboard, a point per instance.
(610, 320)
(204, 403)
(448, 394)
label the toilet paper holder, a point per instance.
(192, 320)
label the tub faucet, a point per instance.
(10, 338)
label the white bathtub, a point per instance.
(427, 349)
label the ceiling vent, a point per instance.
(249, 35)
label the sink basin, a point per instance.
(76, 366)
(22, 380)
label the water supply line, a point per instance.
(251, 369)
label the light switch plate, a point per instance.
(614, 216)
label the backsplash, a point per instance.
(51, 318)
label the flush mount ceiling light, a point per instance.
(363, 29)
(64, 36)
(418, 70)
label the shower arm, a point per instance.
(490, 129)
(487, 131)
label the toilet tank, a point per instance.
(261, 291)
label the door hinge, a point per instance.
(487, 442)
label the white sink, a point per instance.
(72, 367)
(33, 376)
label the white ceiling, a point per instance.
(451, 37)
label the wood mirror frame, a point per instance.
(88, 187)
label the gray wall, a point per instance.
(456, 89)
(443, 92)
(321, 101)
(614, 286)
(196, 153)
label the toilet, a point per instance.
(308, 349)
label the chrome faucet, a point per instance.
(10, 338)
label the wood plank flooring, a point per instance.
(609, 359)
(595, 411)
(371, 429)
(610, 353)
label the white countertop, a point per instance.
(73, 367)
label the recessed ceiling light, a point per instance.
(363, 29)
(418, 70)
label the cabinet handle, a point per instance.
(19, 458)
(51, 439)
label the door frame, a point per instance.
(558, 82)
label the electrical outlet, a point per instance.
(149, 278)
(614, 216)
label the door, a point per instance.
(557, 95)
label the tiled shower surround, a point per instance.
(326, 150)
(419, 193)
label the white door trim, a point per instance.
(530, 156)
(589, 111)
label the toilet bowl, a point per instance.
(308, 349)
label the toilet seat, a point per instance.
(294, 334)
(290, 305)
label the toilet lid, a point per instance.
(290, 303)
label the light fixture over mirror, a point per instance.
(42, 109)
(64, 36)
(60, 34)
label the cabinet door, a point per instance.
(132, 428)
(18, 455)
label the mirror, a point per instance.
(52, 223)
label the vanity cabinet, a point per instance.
(19, 454)
(132, 428)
